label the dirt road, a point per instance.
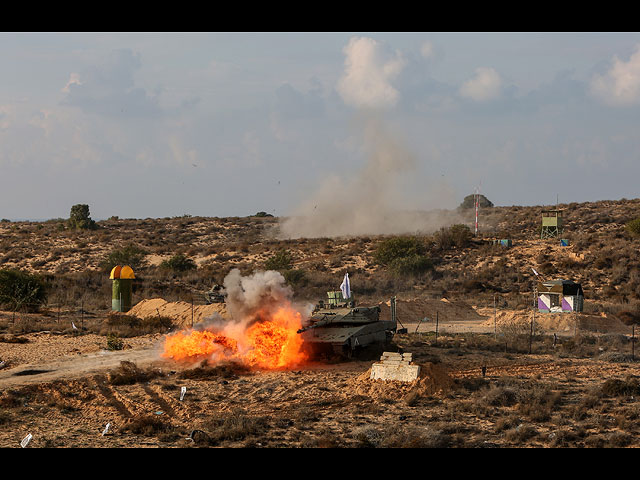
(75, 367)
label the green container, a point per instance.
(121, 294)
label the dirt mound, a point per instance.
(433, 380)
(414, 310)
(181, 312)
(560, 322)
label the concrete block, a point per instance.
(401, 373)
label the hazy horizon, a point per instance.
(157, 125)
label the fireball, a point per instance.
(269, 341)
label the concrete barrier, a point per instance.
(395, 366)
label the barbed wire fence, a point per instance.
(75, 313)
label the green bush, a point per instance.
(398, 247)
(295, 277)
(80, 218)
(458, 235)
(282, 260)
(131, 255)
(20, 290)
(633, 227)
(179, 263)
(263, 214)
(403, 256)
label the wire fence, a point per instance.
(75, 314)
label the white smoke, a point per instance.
(366, 82)
(371, 202)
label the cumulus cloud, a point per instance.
(486, 85)
(369, 71)
(620, 85)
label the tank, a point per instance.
(215, 295)
(341, 327)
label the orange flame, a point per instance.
(270, 343)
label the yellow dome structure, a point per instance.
(122, 277)
(122, 272)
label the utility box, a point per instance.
(122, 277)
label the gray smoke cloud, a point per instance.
(260, 291)
(370, 202)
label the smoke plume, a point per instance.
(371, 201)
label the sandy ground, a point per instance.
(68, 399)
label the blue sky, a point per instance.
(228, 124)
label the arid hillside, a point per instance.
(75, 263)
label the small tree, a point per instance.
(281, 261)
(79, 218)
(403, 256)
(20, 290)
(131, 255)
(179, 263)
(633, 227)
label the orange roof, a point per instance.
(121, 272)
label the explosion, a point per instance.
(264, 337)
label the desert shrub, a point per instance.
(521, 433)
(458, 236)
(538, 403)
(295, 277)
(461, 235)
(614, 387)
(131, 255)
(500, 396)
(114, 342)
(404, 256)
(179, 263)
(235, 425)
(79, 218)
(633, 226)
(282, 260)
(148, 425)
(20, 290)
(263, 214)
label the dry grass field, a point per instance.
(579, 389)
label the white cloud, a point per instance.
(486, 85)
(366, 81)
(427, 50)
(620, 86)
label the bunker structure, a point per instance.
(560, 296)
(122, 277)
(552, 225)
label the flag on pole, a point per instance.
(345, 288)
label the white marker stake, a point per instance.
(183, 390)
(25, 441)
(106, 429)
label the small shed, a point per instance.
(559, 296)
